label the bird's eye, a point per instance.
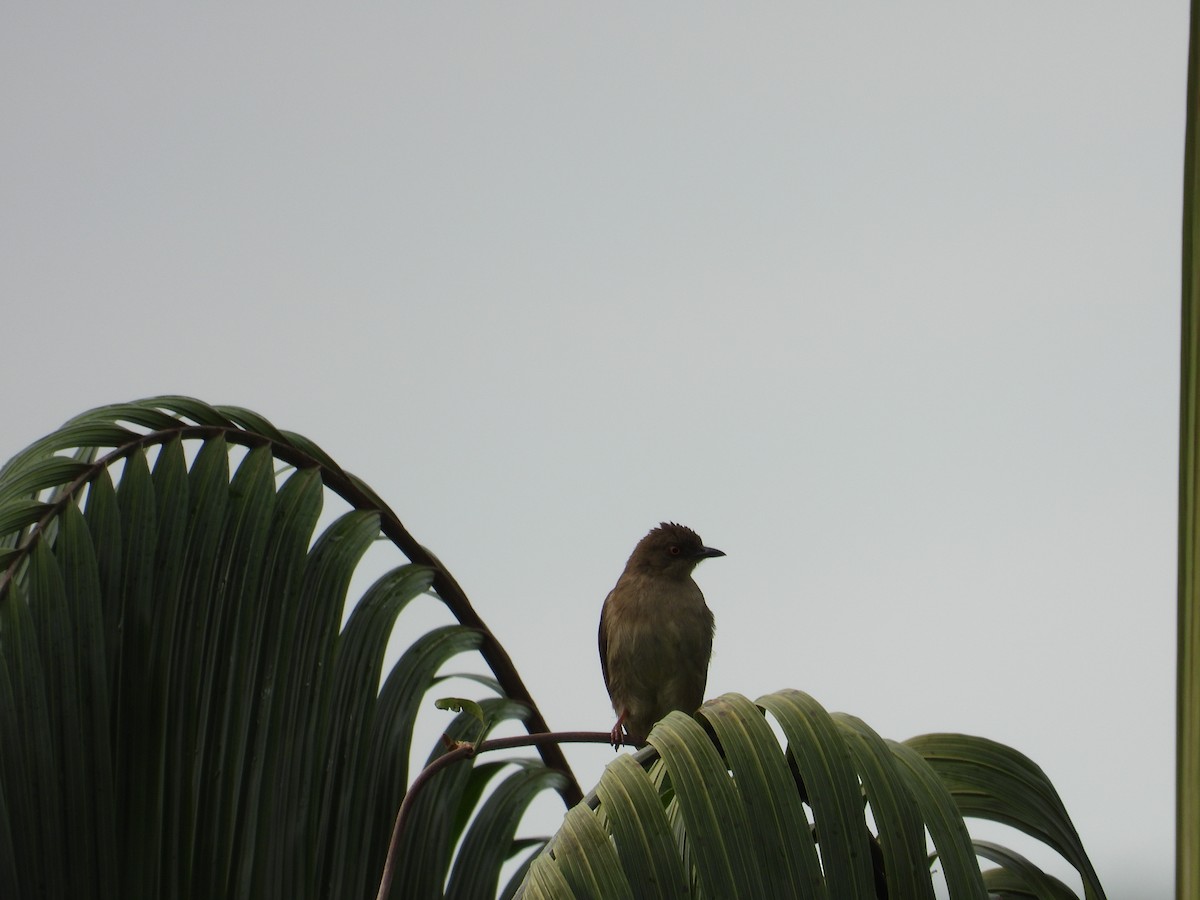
(673, 550)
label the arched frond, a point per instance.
(182, 711)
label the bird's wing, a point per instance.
(603, 641)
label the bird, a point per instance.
(656, 632)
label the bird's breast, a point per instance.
(648, 620)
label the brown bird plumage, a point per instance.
(656, 632)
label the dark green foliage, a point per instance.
(182, 713)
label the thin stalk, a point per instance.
(1187, 746)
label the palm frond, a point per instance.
(182, 712)
(716, 806)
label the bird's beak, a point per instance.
(708, 552)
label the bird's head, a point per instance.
(670, 549)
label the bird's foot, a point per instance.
(617, 735)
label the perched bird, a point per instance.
(656, 632)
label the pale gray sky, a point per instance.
(881, 300)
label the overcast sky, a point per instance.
(880, 299)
